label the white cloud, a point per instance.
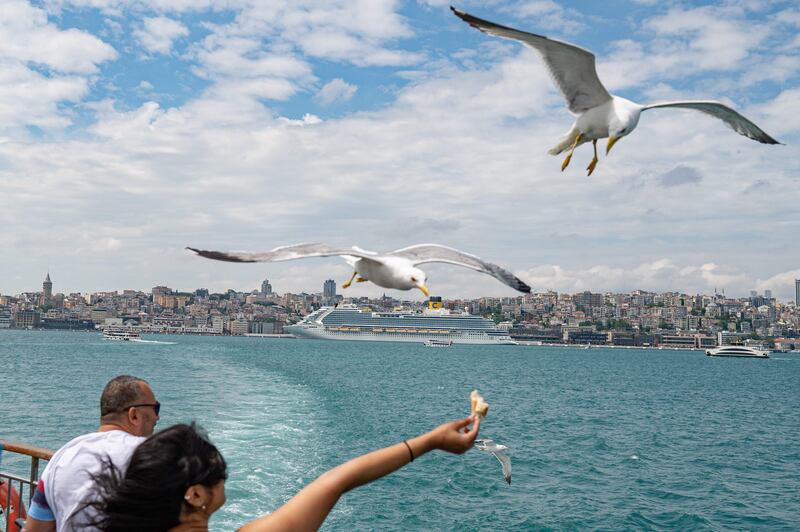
(28, 37)
(336, 90)
(680, 175)
(662, 275)
(30, 98)
(780, 283)
(684, 42)
(782, 114)
(42, 67)
(548, 14)
(158, 34)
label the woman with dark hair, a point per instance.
(176, 479)
(170, 475)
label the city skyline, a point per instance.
(328, 290)
(133, 130)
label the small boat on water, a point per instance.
(124, 334)
(739, 351)
(437, 343)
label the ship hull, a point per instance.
(320, 333)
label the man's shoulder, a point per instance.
(110, 437)
(97, 443)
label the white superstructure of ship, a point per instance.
(349, 322)
(738, 351)
(120, 333)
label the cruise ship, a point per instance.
(348, 322)
(739, 351)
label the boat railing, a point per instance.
(25, 486)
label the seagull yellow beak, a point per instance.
(611, 142)
(424, 289)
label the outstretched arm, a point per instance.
(309, 508)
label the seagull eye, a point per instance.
(413, 279)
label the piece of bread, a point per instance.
(478, 406)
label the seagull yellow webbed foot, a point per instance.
(571, 150)
(566, 162)
(593, 164)
(361, 280)
(348, 283)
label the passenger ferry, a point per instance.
(125, 334)
(737, 351)
(348, 322)
(433, 342)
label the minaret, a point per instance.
(47, 290)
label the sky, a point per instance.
(131, 129)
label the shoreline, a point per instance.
(287, 336)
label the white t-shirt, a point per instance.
(66, 481)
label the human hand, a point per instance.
(449, 436)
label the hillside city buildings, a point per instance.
(638, 318)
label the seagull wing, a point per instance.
(731, 117)
(296, 251)
(571, 67)
(483, 444)
(505, 461)
(424, 253)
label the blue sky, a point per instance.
(131, 129)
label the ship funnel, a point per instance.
(435, 303)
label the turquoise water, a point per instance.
(599, 438)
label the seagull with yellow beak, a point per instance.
(599, 113)
(397, 270)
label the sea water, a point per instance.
(599, 438)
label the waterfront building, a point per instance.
(622, 338)
(587, 337)
(99, 314)
(729, 338)
(797, 292)
(5, 318)
(27, 319)
(239, 327)
(255, 298)
(266, 288)
(588, 299)
(676, 341)
(160, 291)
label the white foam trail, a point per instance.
(139, 340)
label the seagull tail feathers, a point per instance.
(564, 144)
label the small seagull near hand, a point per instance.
(498, 451)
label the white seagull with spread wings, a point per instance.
(498, 451)
(397, 269)
(599, 113)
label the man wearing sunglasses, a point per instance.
(128, 414)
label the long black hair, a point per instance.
(150, 494)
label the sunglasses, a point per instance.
(156, 406)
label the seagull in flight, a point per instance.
(397, 269)
(498, 451)
(600, 114)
